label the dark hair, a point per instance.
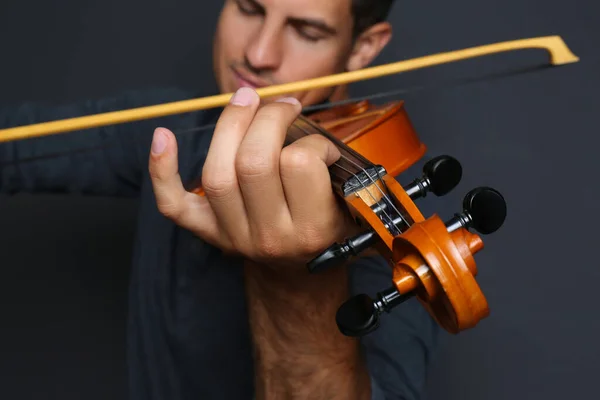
(367, 13)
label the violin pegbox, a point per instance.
(440, 175)
(434, 261)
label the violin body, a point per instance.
(383, 134)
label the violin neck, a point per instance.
(354, 177)
(345, 172)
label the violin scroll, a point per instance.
(434, 262)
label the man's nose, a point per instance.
(265, 49)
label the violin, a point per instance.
(431, 259)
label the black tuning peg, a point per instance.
(440, 175)
(359, 315)
(484, 211)
(339, 252)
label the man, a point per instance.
(203, 323)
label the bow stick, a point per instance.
(558, 51)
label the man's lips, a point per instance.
(247, 80)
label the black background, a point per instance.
(65, 261)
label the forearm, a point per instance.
(299, 352)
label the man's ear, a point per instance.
(368, 45)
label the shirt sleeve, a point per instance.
(398, 352)
(105, 160)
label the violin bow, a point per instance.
(558, 52)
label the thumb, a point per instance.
(164, 173)
(186, 209)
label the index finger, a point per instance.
(257, 165)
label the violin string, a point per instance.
(393, 228)
(386, 199)
(383, 193)
(381, 95)
(364, 187)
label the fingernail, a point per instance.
(243, 97)
(291, 100)
(159, 141)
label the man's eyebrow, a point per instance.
(316, 23)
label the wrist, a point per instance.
(298, 348)
(296, 287)
(299, 313)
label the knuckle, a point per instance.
(296, 158)
(313, 241)
(253, 165)
(217, 185)
(172, 210)
(268, 245)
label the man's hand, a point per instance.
(271, 205)
(276, 208)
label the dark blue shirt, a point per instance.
(188, 332)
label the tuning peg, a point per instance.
(339, 252)
(359, 315)
(440, 175)
(484, 211)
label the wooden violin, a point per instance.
(430, 259)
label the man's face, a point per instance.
(266, 42)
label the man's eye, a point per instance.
(311, 36)
(247, 9)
